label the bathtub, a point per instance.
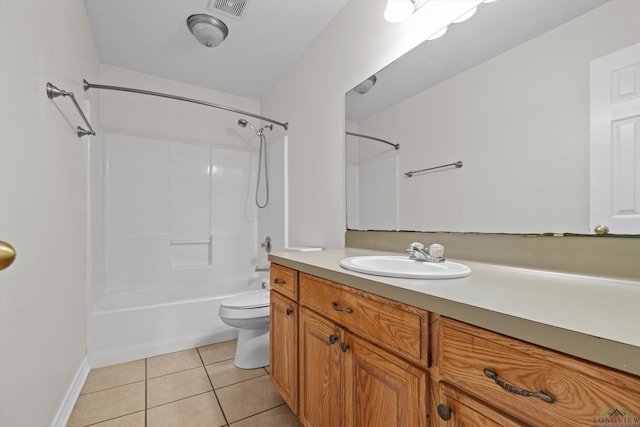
(134, 324)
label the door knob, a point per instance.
(601, 229)
(7, 255)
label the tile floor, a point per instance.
(191, 388)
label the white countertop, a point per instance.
(590, 317)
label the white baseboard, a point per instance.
(66, 407)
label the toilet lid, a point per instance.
(249, 300)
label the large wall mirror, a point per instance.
(507, 94)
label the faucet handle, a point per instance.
(415, 246)
(436, 250)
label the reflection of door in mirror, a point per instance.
(615, 141)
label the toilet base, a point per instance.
(252, 350)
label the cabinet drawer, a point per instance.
(284, 280)
(579, 392)
(397, 327)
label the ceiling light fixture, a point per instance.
(399, 10)
(209, 31)
(366, 85)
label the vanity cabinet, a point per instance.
(345, 380)
(480, 370)
(397, 327)
(361, 360)
(283, 327)
(358, 358)
(320, 371)
(343, 357)
(458, 409)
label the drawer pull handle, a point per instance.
(543, 395)
(289, 311)
(444, 412)
(332, 339)
(336, 307)
(279, 282)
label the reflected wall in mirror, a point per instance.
(507, 93)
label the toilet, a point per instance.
(250, 314)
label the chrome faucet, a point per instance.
(434, 253)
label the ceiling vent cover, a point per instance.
(232, 7)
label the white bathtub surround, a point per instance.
(174, 230)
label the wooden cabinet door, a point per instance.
(457, 409)
(284, 348)
(380, 389)
(320, 371)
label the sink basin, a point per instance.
(405, 268)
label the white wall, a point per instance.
(520, 124)
(310, 97)
(42, 213)
(136, 114)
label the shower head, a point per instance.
(243, 124)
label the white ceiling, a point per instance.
(151, 36)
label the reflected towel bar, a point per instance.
(54, 92)
(396, 146)
(190, 242)
(457, 164)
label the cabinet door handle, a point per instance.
(336, 307)
(444, 412)
(332, 339)
(344, 347)
(543, 395)
(279, 281)
(289, 311)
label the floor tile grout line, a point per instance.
(111, 419)
(258, 413)
(111, 388)
(180, 399)
(226, 421)
(145, 391)
(176, 372)
(240, 382)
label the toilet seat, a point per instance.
(249, 300)
(254, 305)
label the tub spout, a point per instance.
(262, 267)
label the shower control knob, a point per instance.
(266, 244)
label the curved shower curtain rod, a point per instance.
(88, 86)
(396, 146)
